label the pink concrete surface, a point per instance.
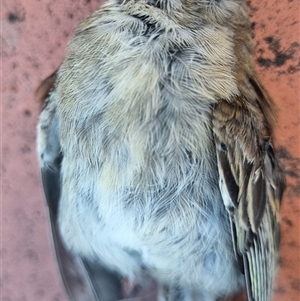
(34, 35)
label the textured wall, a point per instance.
(34, 34)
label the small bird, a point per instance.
(156, 153)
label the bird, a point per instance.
(155, 144)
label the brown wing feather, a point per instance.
(251, 183)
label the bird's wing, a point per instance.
(83, 279)
(251, 184)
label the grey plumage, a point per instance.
(161, 121)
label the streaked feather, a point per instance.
(252, 197)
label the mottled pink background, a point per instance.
(34, 34)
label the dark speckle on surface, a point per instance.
(295, 44)
(280, 57)
(291, 163)
(25, 149)
(293, 69)
(273, 43)
(293, 244)
(57, 297)
(295, 284)
(49, 10)
(283, 153)
(292, 173)
(40, 293)
(252, 8)
(264, 62)
(288, 222)
(291, 169)
(57, 21)
(66, 34)
(32, 255)
(27, 113)
(15, 17)
(14, 65)
(33, 61)
(280, 290)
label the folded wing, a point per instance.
(251, 183)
